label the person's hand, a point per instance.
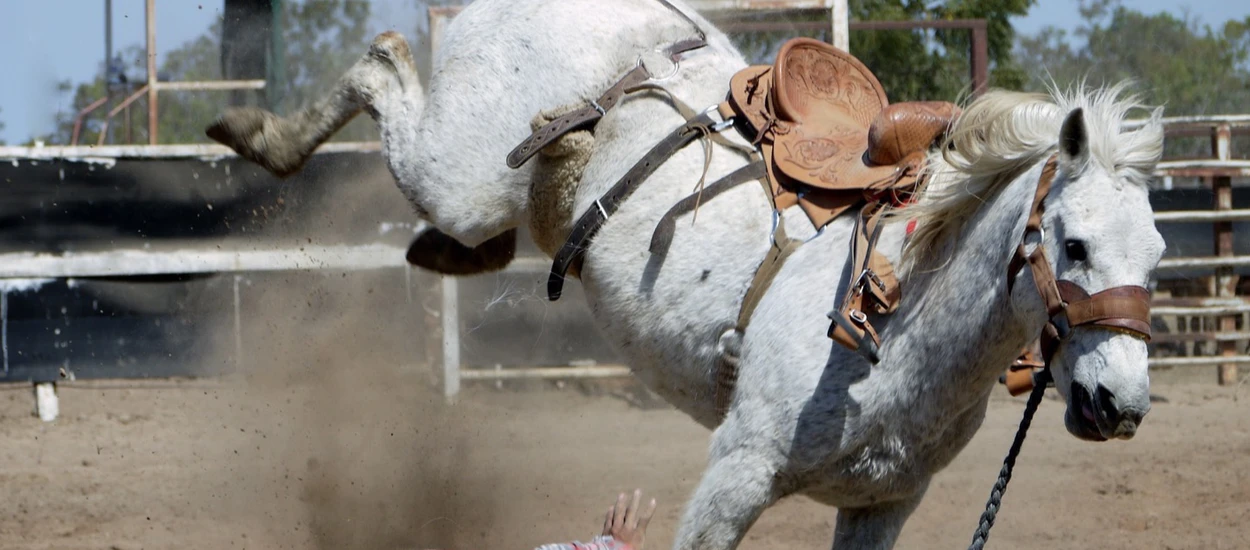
(628, 522)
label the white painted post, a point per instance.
(46, 405)
(840, 21)
(4, 326)
(238, 327)
(408, 282)
(438, 17)
(451, 339)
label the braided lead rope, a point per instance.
(1040, 381)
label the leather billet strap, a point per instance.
(1019, 377)
(587, 115)
(662, 237)
(697, 28)
(589, 223)
(590, 114)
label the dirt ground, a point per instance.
(359, 459)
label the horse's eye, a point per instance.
(1075, 250)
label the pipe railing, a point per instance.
(151, 87)
(104, 128)
(1225, 305)
(82, 114)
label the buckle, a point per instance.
(865, 346)
(718, 123)
(1041, 238)
(867, 276)
(857, 316)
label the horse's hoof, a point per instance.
(392, 47)
(232, 125)
(257, 135)
(438, 252)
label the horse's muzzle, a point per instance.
(1098, 416)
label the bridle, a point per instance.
(1124, 309)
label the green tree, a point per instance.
(911, 65)
(919, 64)
(322, 38)
(1189, 68)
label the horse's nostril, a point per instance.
(1133, 415)
(1104, 401)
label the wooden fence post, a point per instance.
(1224, 282)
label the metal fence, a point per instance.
(1201, 310)
(1202, 315)
(1199, 298)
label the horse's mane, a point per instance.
(1001, 135)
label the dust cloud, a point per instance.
(349, 443)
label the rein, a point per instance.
(995, 501)
(1124, 309)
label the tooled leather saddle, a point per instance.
(827, 131)
(830, 141)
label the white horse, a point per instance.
(807, 416)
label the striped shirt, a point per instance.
(601, 542)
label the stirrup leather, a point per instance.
(872, 289)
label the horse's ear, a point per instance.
(1073, 140)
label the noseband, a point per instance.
(1124, 309)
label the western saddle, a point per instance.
(830, 141)
(824, 137)
(826, 130)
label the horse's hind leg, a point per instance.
(739, 483)
(282, 144)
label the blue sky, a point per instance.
(43, 42)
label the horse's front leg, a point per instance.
(739, 483)
(873, 527)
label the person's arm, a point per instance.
(624, 528)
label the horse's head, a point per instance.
(1099, 232)
(1073, 152)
